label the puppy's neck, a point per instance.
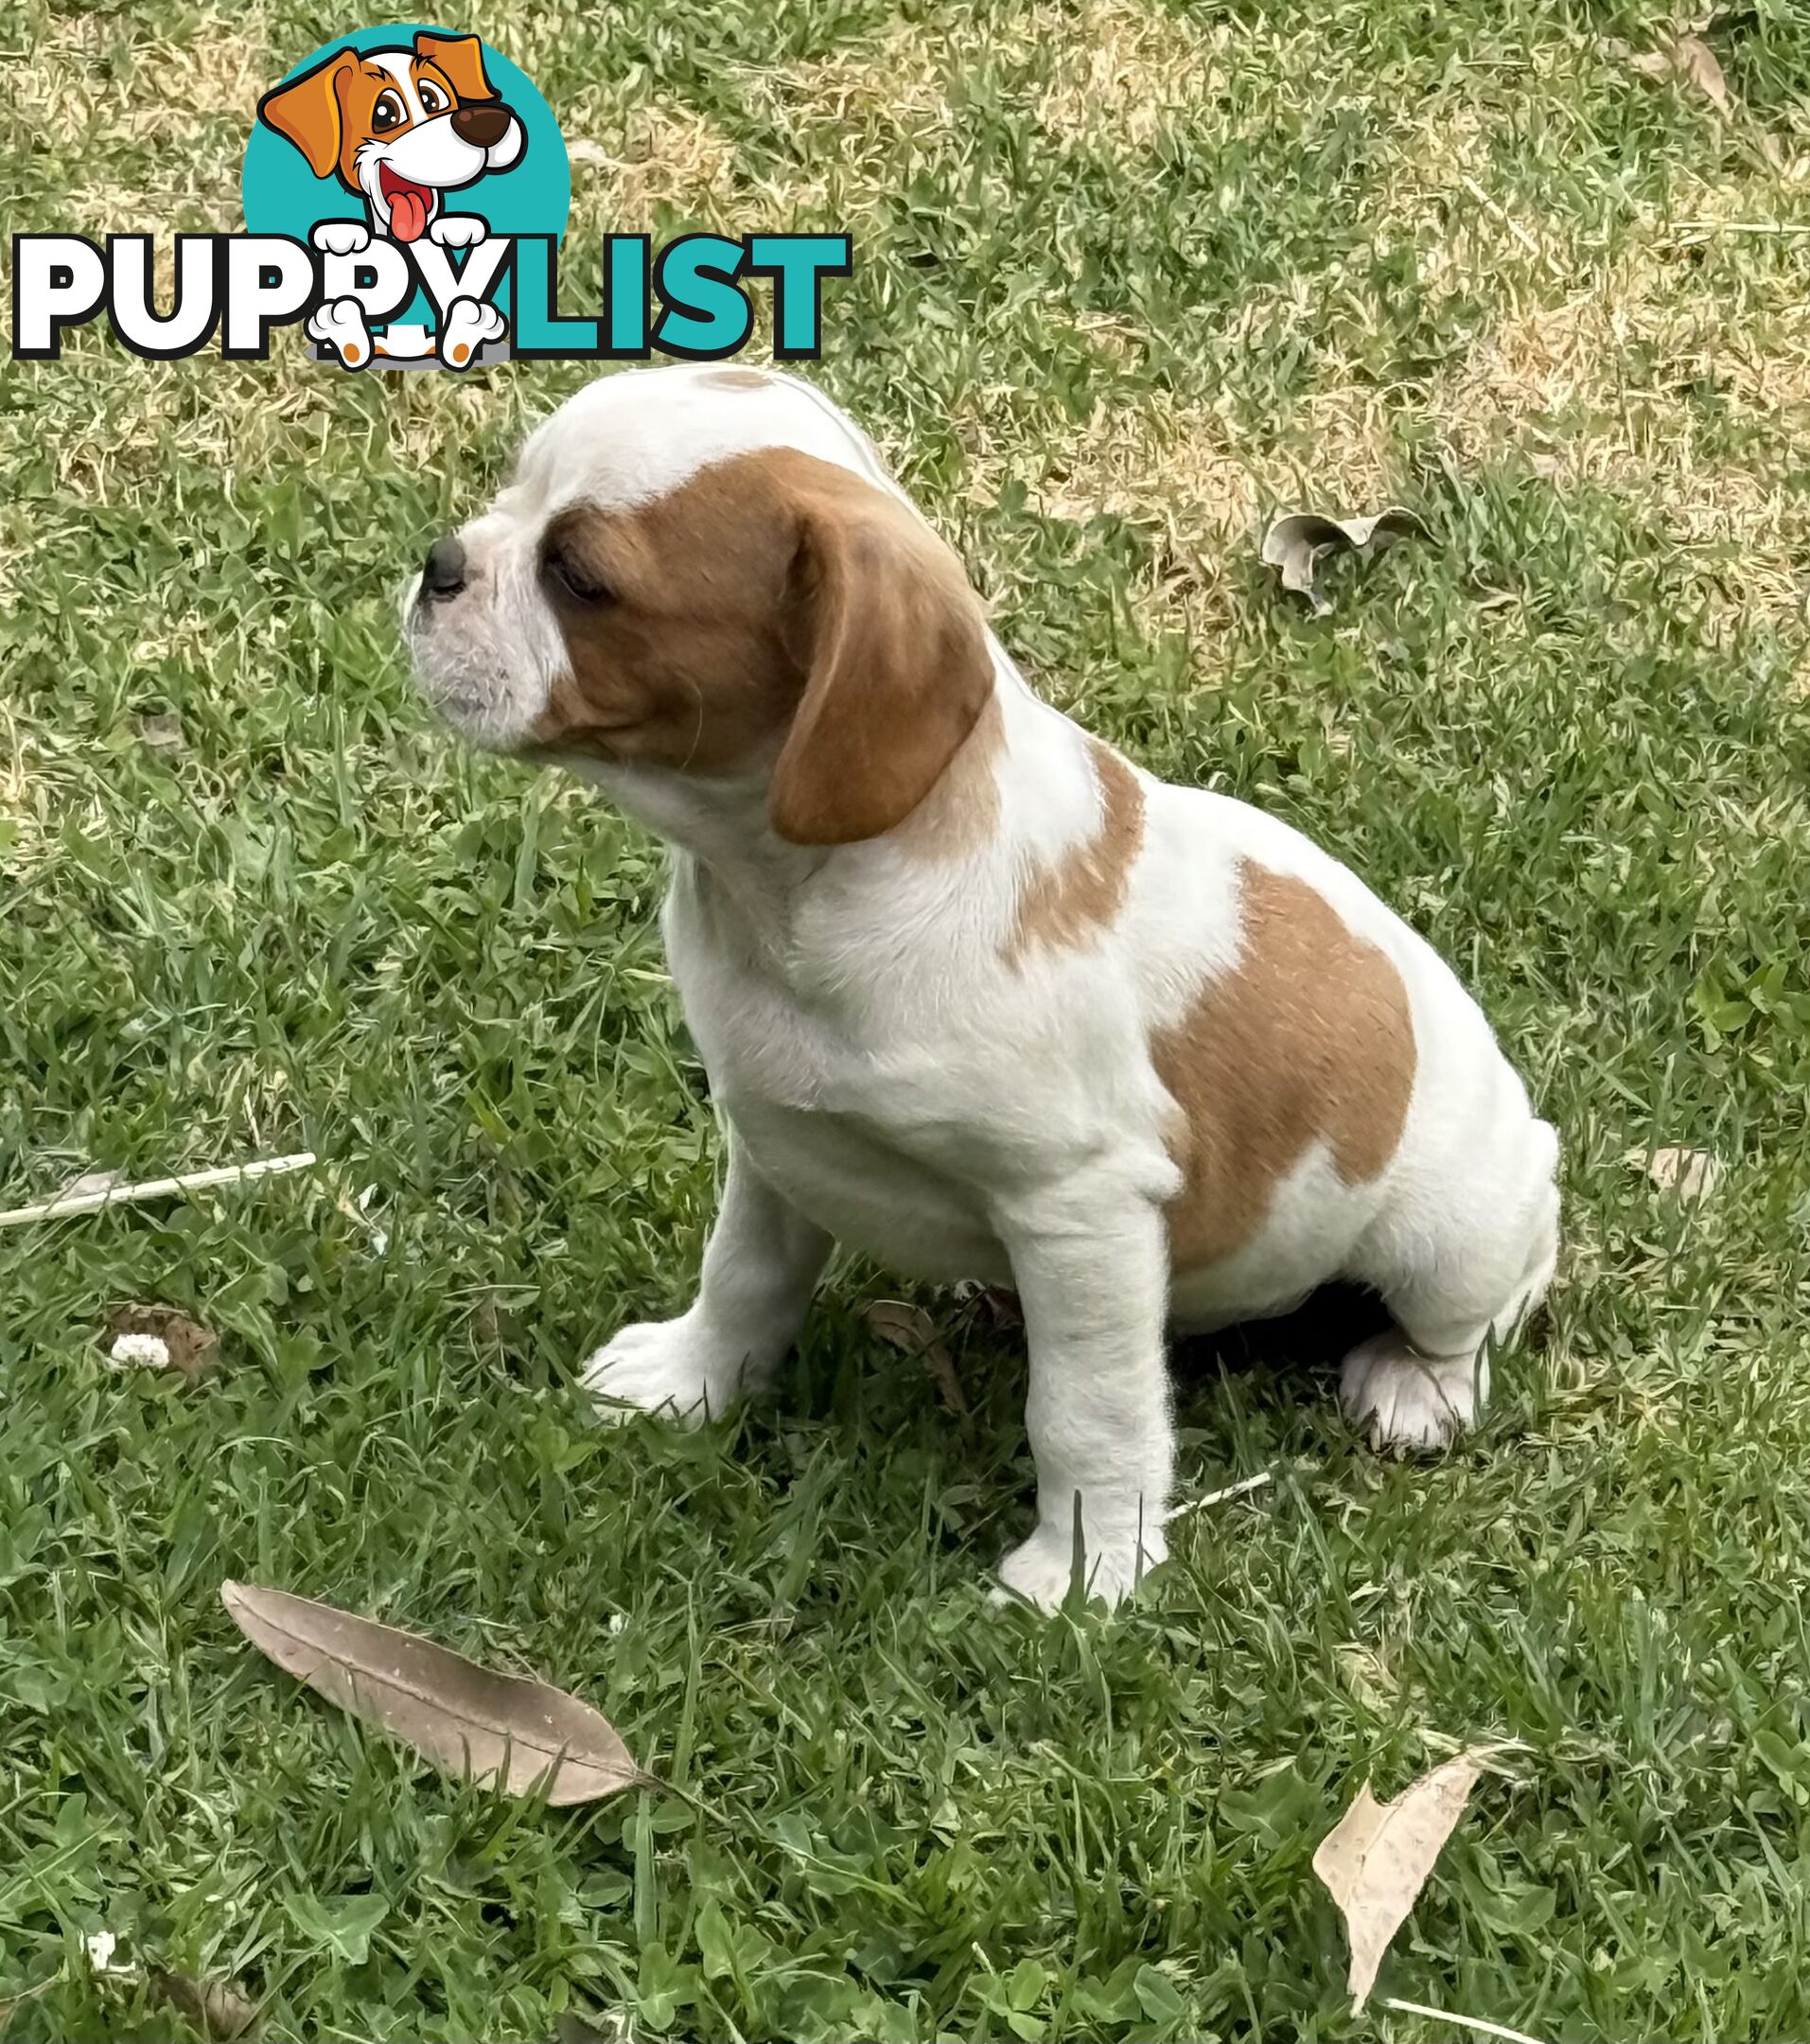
(721, 824)
(1007, 789)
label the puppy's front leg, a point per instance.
(1091, 1260)
(761, 1265)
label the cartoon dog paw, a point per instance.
(340, 237)
(467, 326)
(458, 230)
(340, 324)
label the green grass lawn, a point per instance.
(1127, 279)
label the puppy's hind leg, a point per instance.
(1420, 1383)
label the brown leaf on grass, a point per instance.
(216, 2008)
(501, 1731)
(188, 1345)
(1690, 1173)
(1299, 541)
(910, 1329)
(1375, 1860)
(1001, 1306)
(1689, 58)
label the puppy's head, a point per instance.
(705, 572)
(399, 126)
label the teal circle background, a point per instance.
(282, 196)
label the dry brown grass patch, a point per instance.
(1121, 69)
(1596, 385)
(651, 155)
(895, 78)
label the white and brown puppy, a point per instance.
(976, 994)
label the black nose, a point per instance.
(443, 574)
(483, 124)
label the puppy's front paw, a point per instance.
(1042, 1570)
(458, 230)
(340, 237)
(663, 1366)
(1407, 1401)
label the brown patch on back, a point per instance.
(775, 610)
(736, 378)
(1063, 905)
(1309, 1037)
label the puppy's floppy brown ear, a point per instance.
(898, 669)
(307, 111)
(461, 59)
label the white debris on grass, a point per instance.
(139, 1352)
(100, 1947)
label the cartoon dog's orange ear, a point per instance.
(307, 111)
(461, 59)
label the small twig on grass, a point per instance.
(150, 1189)
(1741, 226)
(1501, 215)
(1220, 1497)
(1463, 2023)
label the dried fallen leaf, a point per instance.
(1001, 1306)
(910, 1329)
(186, 1345)
(1375, 1860)
(1690, 1173)
(216, 2008)
(500, 1730)
(1300, 541)
(1691, 59)
(586, 155)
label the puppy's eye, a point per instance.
(570, 572)
(432, 99)
(387, 114)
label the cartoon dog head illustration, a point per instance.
(399, 127)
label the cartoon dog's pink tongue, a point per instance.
(408, 205)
